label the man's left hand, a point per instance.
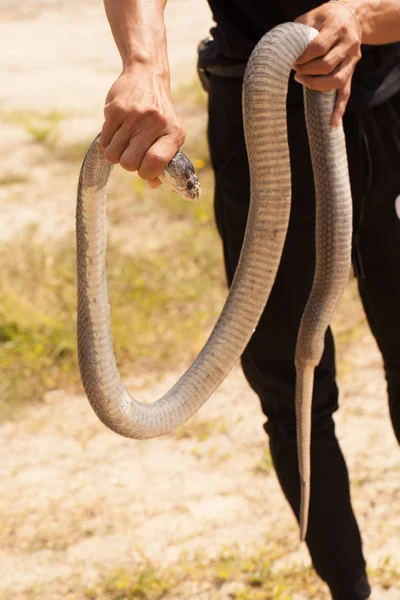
(330, 59)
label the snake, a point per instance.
(264, 115)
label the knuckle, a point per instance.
(102, 141)
(156, 160)
(128, 163)
(155, 116)
(180, 135)
(345, 97)
(111, 155)
(152, 165)
(114, 111)
(321, 46)
(327, 65)
(345, 92)
(354, 47)
(339, 80)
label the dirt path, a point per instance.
(76, 493)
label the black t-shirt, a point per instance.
(241, 23)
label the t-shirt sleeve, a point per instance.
(295, 8)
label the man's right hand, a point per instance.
(142, 130)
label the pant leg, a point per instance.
(333, 538)
(379, 242)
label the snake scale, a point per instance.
(264, 110)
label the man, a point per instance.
(142, 132)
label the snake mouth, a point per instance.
(192, 188)
(181, 177)
(192, 193)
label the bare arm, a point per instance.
(142, 130)
(330, 59)
(379, 19)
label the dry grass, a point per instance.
(232, 575)
(163, 304)
(8, 179)
(164, 300)
(165, 295)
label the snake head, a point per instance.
(180, 175)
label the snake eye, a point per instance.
(189, 185)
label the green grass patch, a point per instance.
(163, 304)
(386, 573)
(127, 188)
(190, 94)
(146, 583)
(163, 301)
(43, 134)
(43, 128)
(264, 466)
(26, 117)
(249, 577)
(200, 429)
(265, 574)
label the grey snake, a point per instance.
(264, 111)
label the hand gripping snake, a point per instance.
(264, 110)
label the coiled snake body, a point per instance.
(264, 108)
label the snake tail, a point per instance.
(333, 233)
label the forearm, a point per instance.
(142, 130)
(379, 19)
(139, 32)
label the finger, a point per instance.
(158, 156)
(325, 65)
(119, 142)
(135, 151)
(334, 81)
(319, 46)
(341, 103)
(108, 131)
(154, 183)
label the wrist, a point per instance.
(357, 9)
(149, 68)
(150, 75)
(364, 12)
(139, 31)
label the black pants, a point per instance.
(373, 140)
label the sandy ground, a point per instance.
(59, 57)
(74, 492)
(77, 498)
